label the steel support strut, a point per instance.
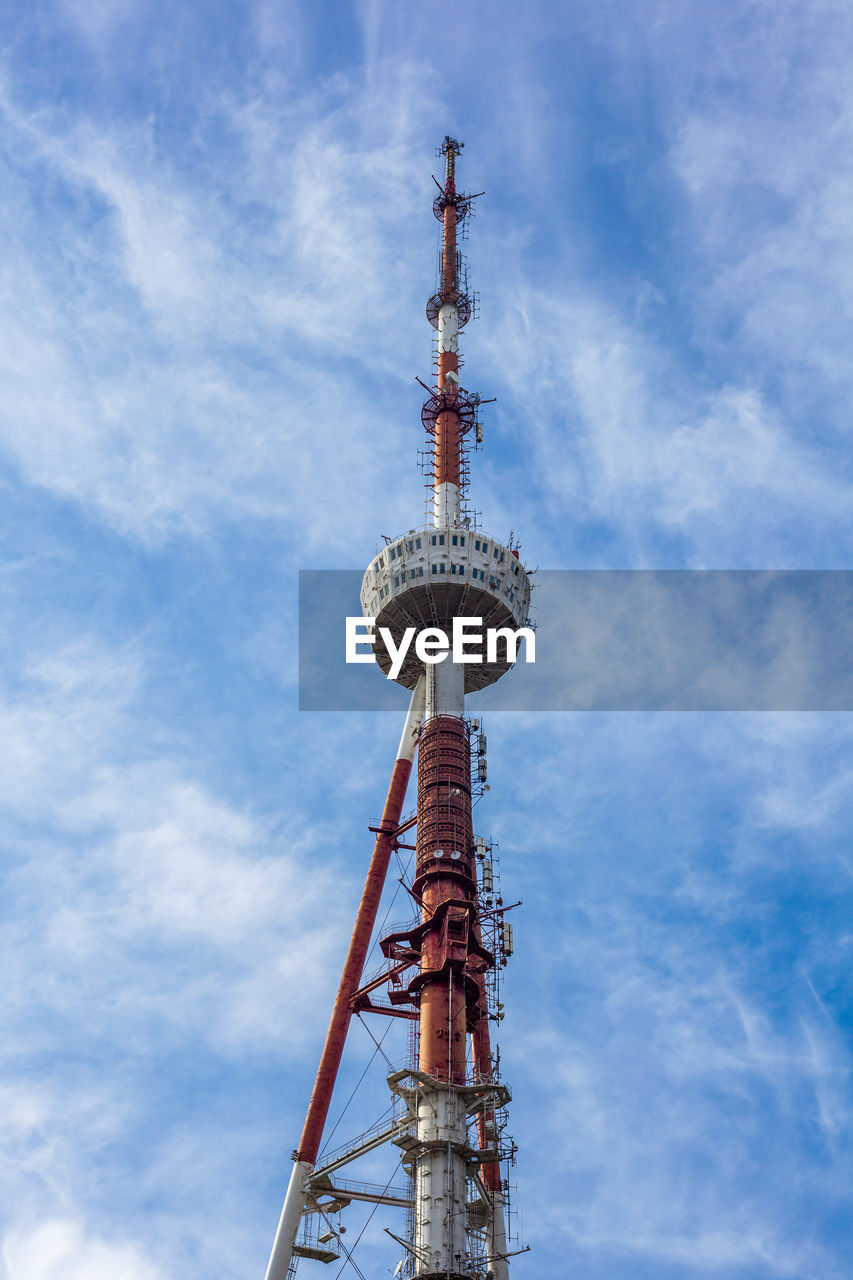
(318, 1108)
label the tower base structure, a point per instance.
(444, 1165)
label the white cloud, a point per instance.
(100, 21)
(62, 1249)
(138, 857)
(614, 430)
(156, 938)
(173, 359)
(681, 1069)
(656, 1097)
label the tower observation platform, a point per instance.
(427, 577)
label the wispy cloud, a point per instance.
(231, 298)
(217, 248)
(63, 1249)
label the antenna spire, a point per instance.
(449, 413)
(450, 149)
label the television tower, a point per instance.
(441, 973)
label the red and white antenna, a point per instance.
(444, 306)
(440, 973)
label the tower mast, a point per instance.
(446, 878)
(453, 1102)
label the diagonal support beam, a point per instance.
(318, 1108)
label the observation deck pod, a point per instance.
(427, 577)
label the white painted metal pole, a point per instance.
(446, 690)
(291, 1215)
(440, 1239)
(498, 1263)
(446, 494)
(414, 719)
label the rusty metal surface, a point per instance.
(321, 1097)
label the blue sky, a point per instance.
(217, 246)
